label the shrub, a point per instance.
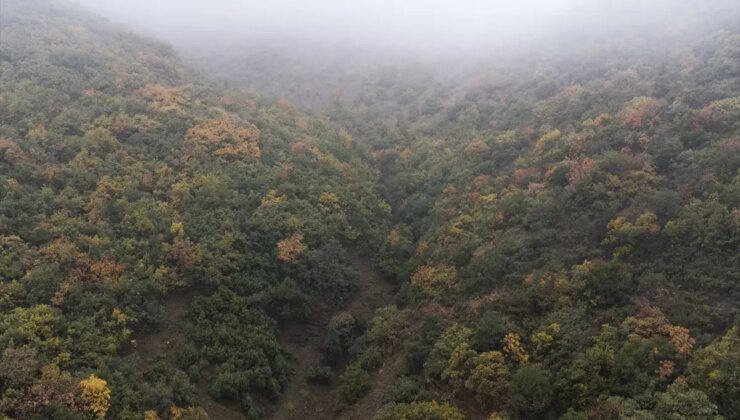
(405, 390)
(318, 373)
(354, 383)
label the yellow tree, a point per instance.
(228, 137)
(459, 365)
(490, 377)
(514, 349)
(434, 280)
(95, 395)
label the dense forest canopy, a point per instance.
(272, 233)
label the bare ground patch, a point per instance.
(162, 345)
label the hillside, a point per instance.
(541, 237)
(565, 227)
(124, 180)
(568, 237)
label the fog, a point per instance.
(432, 26)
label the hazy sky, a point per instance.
(399, 23)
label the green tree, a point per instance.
(680, 402)
(715, 370)
(530, 391)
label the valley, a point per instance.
(299, 228)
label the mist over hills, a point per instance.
(483, 210)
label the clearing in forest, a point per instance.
(305, 342)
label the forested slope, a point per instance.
(566, 231)
(563, 229)
(124, 179)
(566, 227)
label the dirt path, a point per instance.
(304, 341)
(383, 380)
(154, 346)
(161, 346)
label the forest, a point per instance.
(245, 236)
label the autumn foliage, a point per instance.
(641, 112)
(549, 236)
(291, 248)
(95, 396)
(434, 280)
(226, 137)
(163, 98)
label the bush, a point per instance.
(423, 410)
(187, 356)
(318, 373)
(339, 336)
(371, 359)
(405, 390)
(194, 373)
(183, 392)
(354, 383)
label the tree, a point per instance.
(621, 230)
(434, 280)
(387, 327)
(228, 137)
(53, 391)
(477, 149)
(641, 111)
(680, 402)
(354, 383)
(458, 366)
(451, 339)
(18, 366)
(339, 336)
(530, 391)
(715, 370)
(95, 395)
(291, 248)
(490, 331)
(608, 284)
(489, 377)
(513, 349)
